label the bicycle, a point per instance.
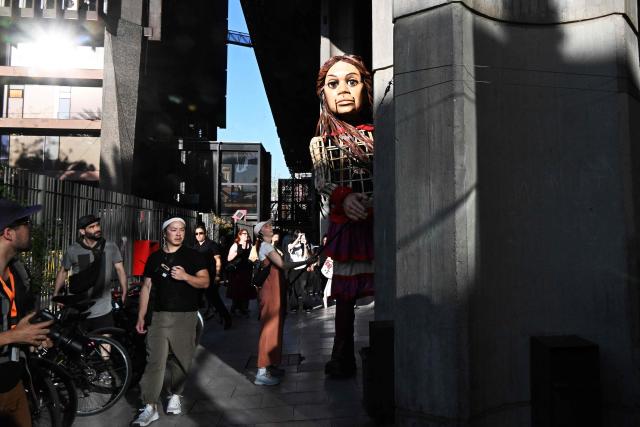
(43, 399)
(63, 383)
(99, 366)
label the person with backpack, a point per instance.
(271, 304)
(92, 261)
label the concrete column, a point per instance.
(384, 160)
(516, 201)
(435, 213)
(122, 52)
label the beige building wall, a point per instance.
(75, 150)
(86, 103)
(40, 102)
(25, 147)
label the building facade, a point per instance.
(506, 196)
(92, 89)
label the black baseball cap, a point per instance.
(11, 211)
(87, 220)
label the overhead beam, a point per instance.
(50, 76)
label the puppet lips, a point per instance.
(346, 102)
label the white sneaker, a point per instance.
(148, 415)
(266, 379)
(174, 407)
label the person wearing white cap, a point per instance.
(178, 275)
(271, 307)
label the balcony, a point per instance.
(51, 76)
(37, 126)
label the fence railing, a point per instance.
(124, 218)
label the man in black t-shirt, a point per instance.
(178, 275)
(212, 252)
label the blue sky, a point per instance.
(249, 116)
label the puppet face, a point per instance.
(344, 90)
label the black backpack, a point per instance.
(86, 279)
(259, 273)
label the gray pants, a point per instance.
(169, 333)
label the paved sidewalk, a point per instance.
(220, 391)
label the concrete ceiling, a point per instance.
(286, 41)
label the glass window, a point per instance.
(70, 4)
(4, 149)
(51, 152)
(64, 108)
(234, 197)
(16, 93)
(239, 167)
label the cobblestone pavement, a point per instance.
(220, 391)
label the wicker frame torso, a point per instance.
(334, 165)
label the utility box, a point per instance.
(565, 382)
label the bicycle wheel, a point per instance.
(43, 403)
(101, 373)
(134, 344)
(63, 384)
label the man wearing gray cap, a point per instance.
(92, 261)
(16, 328)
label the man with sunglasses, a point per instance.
(211, 251)
(16, 328)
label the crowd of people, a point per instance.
(177, 278)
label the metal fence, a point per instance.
(124, 218)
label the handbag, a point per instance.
(233, 265)
(327, 268)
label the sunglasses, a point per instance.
(199, 233)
